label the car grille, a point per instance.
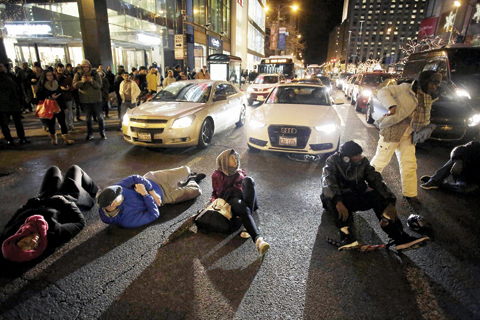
(302, 134)
(146, 130)
(449, 132)
(137, 120)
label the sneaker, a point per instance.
(103, 137)
(413, 199)
(199, 177)
(429, 185)
(89, 137)
(245, 234)
(425, 178)
(347, 240)
(262, 246)
(408, 242)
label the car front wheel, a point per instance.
(243, 115)
(206, 134)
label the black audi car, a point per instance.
(457, 111)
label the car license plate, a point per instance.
(289, 142)
(147, 137)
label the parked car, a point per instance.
(185, 113)
(456, 119)
(262, 86)
(341, 80)
(296, 118)
(326, 81)
(363, 86)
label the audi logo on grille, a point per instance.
(289, 130)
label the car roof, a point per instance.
(290, 84)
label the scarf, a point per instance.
(51, 85)
(11, 251)
(222, 162)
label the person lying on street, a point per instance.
(51, 218)
(350, 183)
(463, 166)
(135, 200)
(232, 184)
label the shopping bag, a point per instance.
(47, 108)
(112, 96)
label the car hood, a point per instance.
(167, 109)
(295, 114)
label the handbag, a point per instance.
(47, 108)
(215, 217)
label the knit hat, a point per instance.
(350, 149)
(106, 196)
(223, 162)
(86, 63)
(34, 224)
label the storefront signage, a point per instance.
(27, 29)
(281, 38)
(149, 40)
(215, 43)
(427, 27)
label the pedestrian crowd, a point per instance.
(350, 182)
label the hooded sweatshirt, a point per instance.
(89, 92)
(227, 181)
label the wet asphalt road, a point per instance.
(112, 273)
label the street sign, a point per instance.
(178, 41)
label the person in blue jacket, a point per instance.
(135, 200)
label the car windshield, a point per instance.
(299, 95)
(465, 70)
(266, 80)
(375, 78)
(184, 92)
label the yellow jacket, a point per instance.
(152, 82)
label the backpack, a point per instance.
(215, 217)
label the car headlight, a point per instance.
(473, 120)
(125, 119)
(366, 93)
(184, 122)
(326, 128)
(463, 93)
(328, 89)
(256, 124)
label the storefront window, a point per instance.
(199, 11)
(256, 40)
(200, 56)
(256, 13)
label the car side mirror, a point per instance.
(220, 97)
(338, 101)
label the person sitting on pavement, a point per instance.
(135, 200)
(350, 183)
(51, 218)
(232, 184)
(464, 166)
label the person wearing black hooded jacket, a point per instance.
(350, 183)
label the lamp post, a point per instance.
(361, 40)
(457, 4)
(294, 8)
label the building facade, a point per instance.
(375, 29)
(335, 45)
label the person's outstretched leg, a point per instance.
(250, 193)
(240, 209)
(80, 186)
(52, 180)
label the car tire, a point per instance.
(252, 149)
(243, 116)
(206, 134)
(368, 115)
(357, 106)
(250, 102)
(353, 101)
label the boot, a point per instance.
(53, 137)
(67, 140)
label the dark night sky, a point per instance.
(320, 16)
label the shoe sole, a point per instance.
(412, 244)
(244, 235)
(353, 244)
(425, 179)
(264, 248)
(428, 187)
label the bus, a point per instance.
(285, 65)
(313, 69)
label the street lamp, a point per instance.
(279, 8)
(457, 4)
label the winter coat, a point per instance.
(44, 93)
(105, 89)
(64, 218)
(470, 155)
(227, 186)
(168, 80)
(67, 82)
(152, 82)
(339, 178)
(202, 75)
(10, 95)
(403, 97)
(135, 210)
(135, 91)
(88, 92)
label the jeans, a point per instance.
(462, 181)
(125, 106)
(50, 123)
(17, 119)
(105, 108)
(77, 184)
(69, 114)
(244, 206)
(94, 109)
(355, 201)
